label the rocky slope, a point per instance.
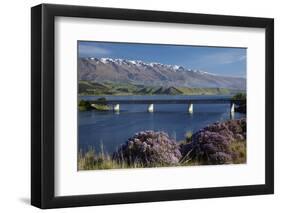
(154, 74)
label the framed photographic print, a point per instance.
(140, 106)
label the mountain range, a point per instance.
(152, 74)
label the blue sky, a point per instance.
(218, 60)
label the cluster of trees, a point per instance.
(239, 96)
(242, 108)
(84, 105)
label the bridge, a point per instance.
(190, 102)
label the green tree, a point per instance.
(239, 96)
(84, 105)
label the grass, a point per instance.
(101, 107)
(204, 91)
(91, 160)
(188, 135)
(239, 147)
(113, 88)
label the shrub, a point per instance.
(239, 96)
(84, 105)
(217, 144)
(150, 149)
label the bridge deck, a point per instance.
(171, 101)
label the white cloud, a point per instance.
(223, 58)
(92, 51)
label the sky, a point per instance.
(227, 61)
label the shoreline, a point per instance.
(223, 143)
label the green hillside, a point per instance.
(110, 88)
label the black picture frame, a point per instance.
(43, 111)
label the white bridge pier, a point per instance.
(232, 107)
(232, 111)
(150, 108)
(116, 107)
(190, 108)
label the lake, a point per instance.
(110, 129)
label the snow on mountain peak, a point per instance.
(203, 72)
(174, 68)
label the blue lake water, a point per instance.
(112, 129)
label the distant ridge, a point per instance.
(152, 74)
